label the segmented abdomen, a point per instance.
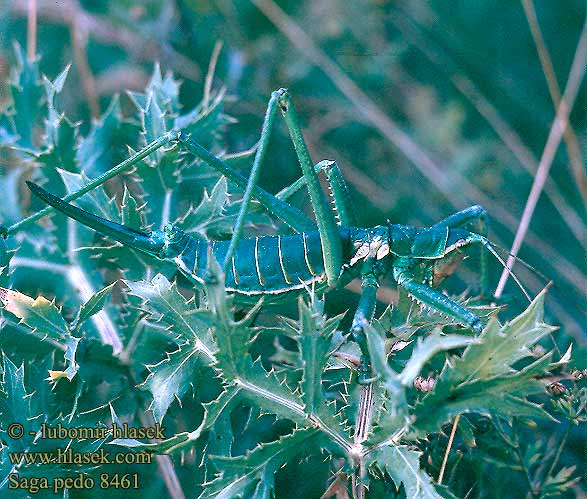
(262, 265)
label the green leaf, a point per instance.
(556, 485)
(95, 153)
(209, 214)
(132, 214)
(231, 337)
(214, 410)
(426, 349)
(165, 91)
(171, 378)
(92, 306)
(166, 304)
(167, 446)
(71, 365)
(159, 172)
(484, 379)
(315, 335)
(95, 201)
(253, 475)
(378, 355)
(8, 135)
(39, 314)
(10, 210)
(26, 91)
(15, 404)
(234, 361)
(267, 391)
(403, 466)
(60, 139)
(501, 347)
(206, 122)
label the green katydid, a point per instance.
(326, 253)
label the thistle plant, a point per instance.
(250, 400)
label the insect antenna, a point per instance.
(492, 250)
(577, 303)
(523, 262)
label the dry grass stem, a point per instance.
(31, 35)
(569, 135)
(210, 74)
(554, 138)
(448, 447)
(79, 43)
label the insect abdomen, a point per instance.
(262, 265)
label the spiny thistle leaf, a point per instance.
(214, 410)
(8, 135)
(208, 215)
(171, 378)
(501, 347)
(252, 476)
(231, 337)
(427, 348)
(167, 446)
(233, 359)
(95, 152)
(96, 201)
(378, 355)
(484, 380)
(165, 91)
(161, 170)
(47, 323)
(71, 365)
(26, 91)
(218, 419)
(390, 410)
(132, 215)
(15, 404)
(134, 443)
(314, 346)
(207, 121)
(270, 393)
(59, 141)
(402, 465)
(39, 314)
(315, 341)
(92, 306)
(166, 304)
(10, 209)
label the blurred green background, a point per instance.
(428, 107)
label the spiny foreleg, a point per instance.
(436, 300)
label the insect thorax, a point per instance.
(369, 244)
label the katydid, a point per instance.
(323, 254)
